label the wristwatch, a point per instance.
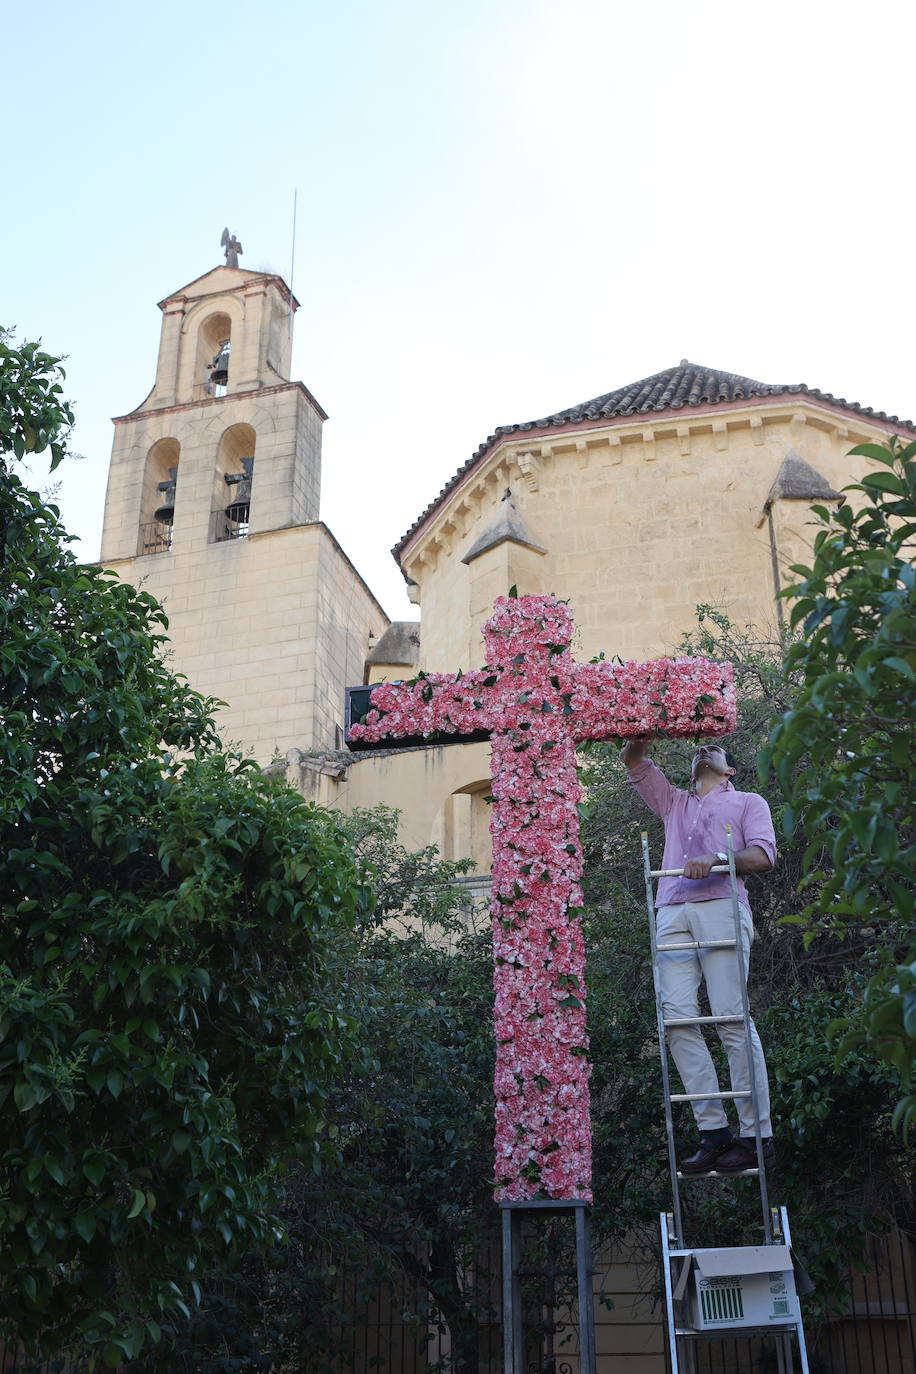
(721, 856)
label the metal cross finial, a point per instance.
(232, 248)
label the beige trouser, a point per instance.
(680, 973)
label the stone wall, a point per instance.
(275, 625)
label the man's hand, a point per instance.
(750, 860)
(701, 867)
(634, 752)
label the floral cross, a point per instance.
(538, 704)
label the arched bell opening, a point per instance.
(230, 508)
(157, 501)
(214, 350)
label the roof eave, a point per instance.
(524, 432)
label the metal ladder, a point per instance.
(775, 1223)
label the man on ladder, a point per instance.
(696, 909)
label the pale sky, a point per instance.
(504, 208)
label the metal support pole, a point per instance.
(513, 1217)
(513, 1337)
(585, 1291)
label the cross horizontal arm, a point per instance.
(430, 705)
(678, 697)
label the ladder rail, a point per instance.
(743, 960)
(667, 1225)
(659, 1017)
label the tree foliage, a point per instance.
(844, 753)
(406, 1205)
(34, 417)
(168, 1034)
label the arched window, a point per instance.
(157, 501)
(231, 504)
(214, 342)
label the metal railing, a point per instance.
(229, 522)
(155, 537)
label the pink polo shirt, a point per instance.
(695, 826)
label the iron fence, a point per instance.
(393, 1328)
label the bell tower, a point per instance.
(213, 503)
(222, 375)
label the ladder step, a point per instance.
(714, 1173)
(705, 1021)
(679, 872)
(785, 1327)
(709, 1097)
(698, 944)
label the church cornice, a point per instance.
(535, 440)
(518, 460)
(207, 402)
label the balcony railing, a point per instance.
(155, 537)
(229, 522)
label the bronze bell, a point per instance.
(219, 368)
(166, 512)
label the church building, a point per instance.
(689, 487)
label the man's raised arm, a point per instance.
(634, 752)
(648, 780)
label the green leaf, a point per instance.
(53, 1167)
(95, 1169)
(885, 481)
(881, 455)
(24, 1096)
(138, 1204)
(85, 1225)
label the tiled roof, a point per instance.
(686, 385)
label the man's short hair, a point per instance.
(729, 756)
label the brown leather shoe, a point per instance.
(742, 1155)
(706, 1157)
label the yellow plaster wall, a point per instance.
(419, 782)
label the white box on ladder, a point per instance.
(746, 1285)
